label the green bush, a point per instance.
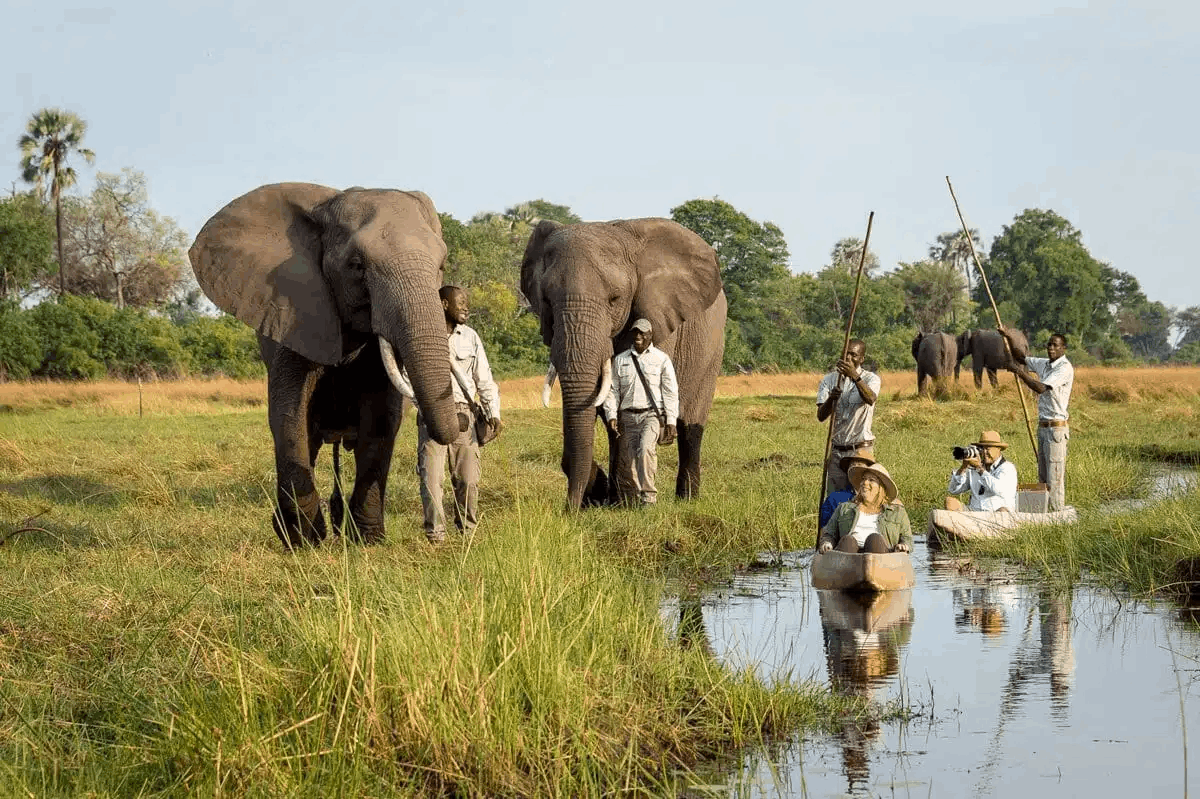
(67, 340)
(222, 346)
(19, 352)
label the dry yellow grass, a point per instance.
(116, 397)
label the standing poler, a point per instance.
(849, 392)
(641, 409)
(1052, 379)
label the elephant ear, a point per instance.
(259, 258)
(533, 267)
(678, 274)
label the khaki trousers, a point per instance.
(1052, 463)
(835, 478)
(464, 457)
(637, 458)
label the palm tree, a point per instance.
(957, 249)
(50, 137)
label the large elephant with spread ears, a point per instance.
(588, 283)
(342, 287)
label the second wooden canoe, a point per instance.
(967, 525)
(846, 571)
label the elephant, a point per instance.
(987, 351)
(342, 287)
(588, 283)
(936, 355)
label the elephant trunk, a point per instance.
(580, 348)
(407, 313)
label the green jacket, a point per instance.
(893, 524)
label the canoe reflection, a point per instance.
(864, 638)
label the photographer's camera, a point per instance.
(962, 453)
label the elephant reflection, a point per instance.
(865, 635)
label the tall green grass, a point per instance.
(156, 641)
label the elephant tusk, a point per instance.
(605, 383)
(551, 373)
(392, 368)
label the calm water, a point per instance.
(1018, 690)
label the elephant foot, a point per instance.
(297, 531)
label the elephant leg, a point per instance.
(992, 377)
(689, 438)
(378, 423)
(978, 370)
(298, 519)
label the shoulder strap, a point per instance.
(645, 384)
(463, 385)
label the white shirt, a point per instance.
(1059, 375)
(852, 417)
(996, 488)
(866, 524)
(628, 392)
(469, 360)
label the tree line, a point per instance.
(100, 285)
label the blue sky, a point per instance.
(806, 115)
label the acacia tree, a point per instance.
(932, 292)
(1040, 264)
(50, 137)
(750, 252)
(120, 248)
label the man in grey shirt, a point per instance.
(849, 392)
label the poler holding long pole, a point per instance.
(845, 349)
(996, 311)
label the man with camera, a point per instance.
(849, 393)
(986, 473)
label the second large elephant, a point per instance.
(340, 286)
(987, 351)
(936, 355)
(588, 283)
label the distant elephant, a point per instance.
(987, 351)
(588, 283)
(340, 286)
(936, 355)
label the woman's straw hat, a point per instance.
(859, 471)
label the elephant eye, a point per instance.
(356, 262)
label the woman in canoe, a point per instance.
(873, 521)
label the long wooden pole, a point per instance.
(996, 311)
(862, 259)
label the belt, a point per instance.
(635, 410)
(1052, 423)
(859, 445)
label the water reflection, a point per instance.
(864, 635)
(1016, 688)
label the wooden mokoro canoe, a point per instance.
(847, 571)
(968, 525)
